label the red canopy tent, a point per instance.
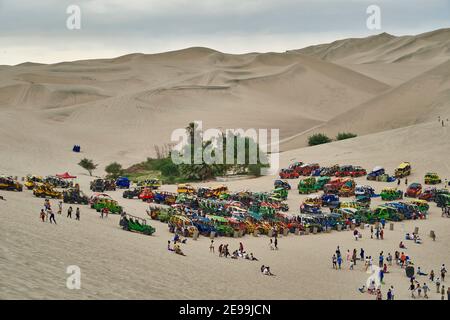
(65, 175)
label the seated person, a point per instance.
(267, 271)
(420, 272)
(401, 245)
(177, 249)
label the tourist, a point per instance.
(276, 243)
(211, 246)
(379, 295)
(77, 214)
(442, 292)
(425, 289)
(339, 261)
(177, 249)
(361, 254)
(266, 271)
(412, 287)
(334, 261)
(52, 216)
(432, 276)
(371, 232)
(60, 207)
(438, 284)
(382, 234)
(389, 295)
(69, 212)
(420, 272)
(348, 255)
(42, 215)
(392, 292)
(168, 246)
(381, 275)
(443, 272)
(419, 289)
(381, 259)
(271, 244)
(448, 293)
(389, 259)
(241, 247)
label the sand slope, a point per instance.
(385, 57)
(120, 265)
(120, 108)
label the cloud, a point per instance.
(229, 25)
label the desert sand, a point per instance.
(389, 90)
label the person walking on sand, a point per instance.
(241, 247)
(334, 261)
(448, 293)
(399, 181)
(69, 212)
(339, 261)
(271, 244)
(60, 208)
(442, 293)
(438, 284)
(77, 214)
(443, 272)
(371, 232)
(362, 255)
(275, 242)
(412, 287)
(211, 246)
(425, 289)
(52, 216)
(220, 249)
(382, 234)
(42, 215)
(432, 276)
(406, 181)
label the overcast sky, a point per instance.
(36, 30)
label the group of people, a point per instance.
(47, 214)
(412, 236)
(177, 241)
(417, 288)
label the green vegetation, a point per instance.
(166, 170)
(88, 165)
(345, 135)
(114, 170)
(318, 138)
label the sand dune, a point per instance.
(385, 57)
(130, 103)
(422, 99)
